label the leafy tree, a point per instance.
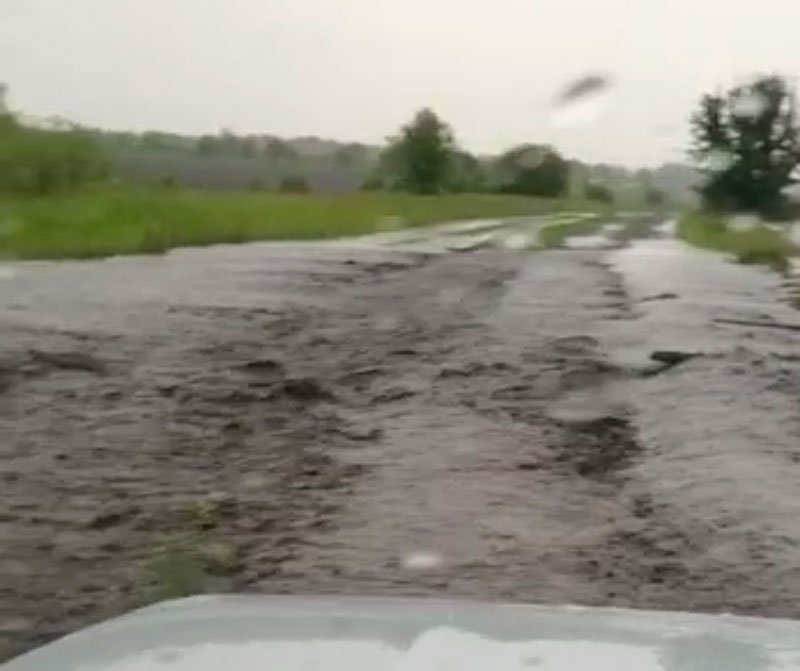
(41, 161)
(533, 170)
(467, 173)
(420, 158)
(746, 143)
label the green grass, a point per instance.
(106, 221)
(176, 571)
(554, 235)
(758, 245)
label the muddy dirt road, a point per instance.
(565, 426)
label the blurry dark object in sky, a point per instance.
(588, 85)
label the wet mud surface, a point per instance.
(560, 427)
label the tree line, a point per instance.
(40, 161)
(424, 158)
(745, 142)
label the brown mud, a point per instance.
(328, 419)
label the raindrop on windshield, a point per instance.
(422, 561)
(743, 222)
(581, 101)
(749, 105)
(719, 160)
(532, 157)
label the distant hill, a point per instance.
(228, 161)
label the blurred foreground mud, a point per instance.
(540, 427)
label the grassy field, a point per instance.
(127, 220)
(759, 245)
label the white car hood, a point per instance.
(244, 633)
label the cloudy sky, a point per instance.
(356, 69)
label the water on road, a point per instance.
(435, 413)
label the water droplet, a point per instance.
(582, 87)
(422, 561)
(748, 105)
(792, 191)
(719, 160)
(581, 101)
(743, 222)
(532, 157)
(518, 241)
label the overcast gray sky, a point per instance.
(356, 69)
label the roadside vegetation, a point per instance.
(759, 244)
(747, 146)
(64, 195)
(108, 220)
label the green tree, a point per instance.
(420, 158)
(41, 161)
(746, 144)
(467, 173)
(533, 170)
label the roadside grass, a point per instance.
(176, 571)
(111, 220)
(195, 557)
(758, 245)
(554, 235)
